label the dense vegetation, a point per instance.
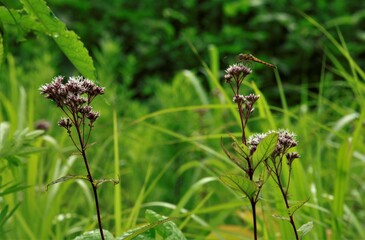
(166, 108)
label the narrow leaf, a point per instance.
(1, 50)
(66, 178)
(280, 217)
(98, 182)
(95, 235)
(265, 148)
(296, 206)
(305, 228)
(145, 232)
(240, 184)
(239, 161)
(239, 147)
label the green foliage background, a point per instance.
(164, 113)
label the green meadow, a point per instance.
(166, 112)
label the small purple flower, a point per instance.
(237, 71)
(92, 116)
(286, 140)
(74, 98)
(86, 109)
(291, 157)
(238, 99)
(65, 123)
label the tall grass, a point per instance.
(167, 153)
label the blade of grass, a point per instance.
(118, 204)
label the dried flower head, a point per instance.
(74, 98)
(71, 94)
(291, 157)
(236, 71)
(65, 123)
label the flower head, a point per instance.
(286, 140)
(71, 94)
(74, 98)
(237, 71)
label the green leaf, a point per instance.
(265, 148)
(296, 206)
(167, 230)
(66, 178)
(238, 160)
(305, 228)
(280, 217)
(12, 189)
(68, 41)
(240, 184)
(145, 232)
(1, 50)
(95, 235)
(239, 147)
(98, 182)
(4, 215)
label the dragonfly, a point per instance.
(246, 57)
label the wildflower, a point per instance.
(236, 71)
(74, 98)
(42, 125)
(92, 116)
(291, 157)
(238, 98)
(65, 123)
(286, 140)
(71, 93)
(251, 99)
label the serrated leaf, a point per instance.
(95, 235)
(66, 178)
(68, 41)
(296, 206)
(305, 228)
(240, 184)
(265, 148)
(167, 230)
(98, 182)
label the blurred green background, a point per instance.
(165, 111)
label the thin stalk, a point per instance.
(284, 194)
(253, 206)
(91, 180)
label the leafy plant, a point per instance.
(13, 150)
(259, 156)
(74, 98)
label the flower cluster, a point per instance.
(74, 98)
(237, 72)
(286, 140)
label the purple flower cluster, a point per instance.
(74, 98)
(286, 141)
(237, 72)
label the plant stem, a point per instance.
(284, 194)
(91, 180)
(253, 206)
